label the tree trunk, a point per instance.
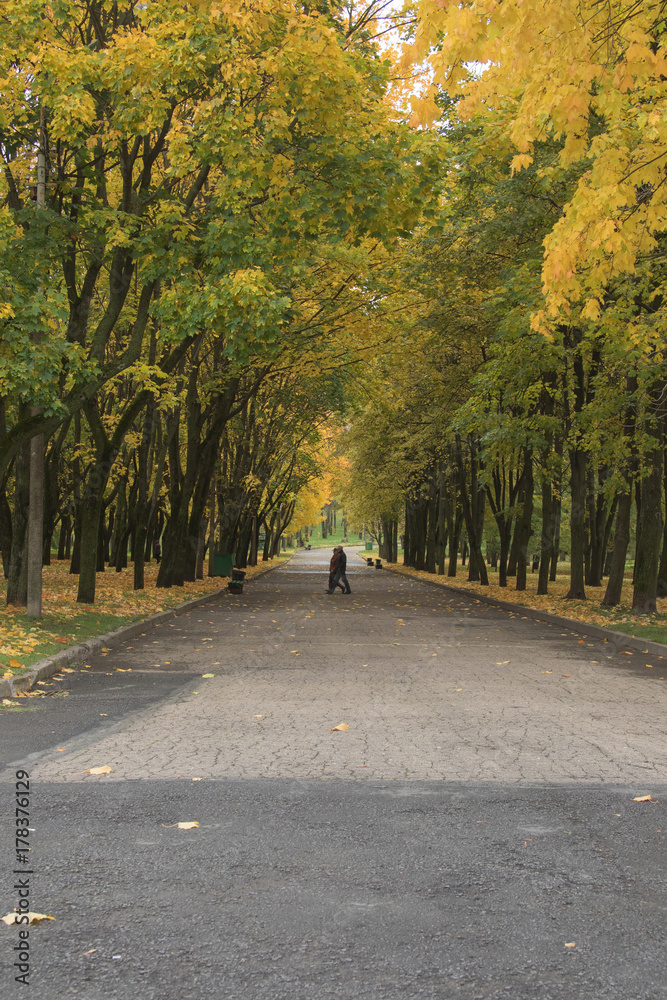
(201, 550)
(649, 531)
(142, 513)
(514, 552)
(254, 541)
(578, 460)
(556, 504)
(454, 536)
(5, 532)
(90, 527)
(547, 539)
(64, 533)
(17, 584)
(442, 522)
(211, 526)
(75, 563)
(524, 527)
(432, 526)
(119, 523)
(662, 572)
(470, 506)
(621, 540)
(100, 542)
(622, 532)
(555, 554)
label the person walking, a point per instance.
(339, 576)
(333, 562)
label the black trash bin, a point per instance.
(235, 585)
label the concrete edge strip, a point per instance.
(10, 687)
(618, 639)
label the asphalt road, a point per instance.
(471, 835)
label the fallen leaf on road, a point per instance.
(33, 918)
(546, 671)
(196, 779)
(502, 663)
(90, 952)
(209, 675)
(566, 675)
(570, 944)
(258, 716)
(99, 770)
(60, 750)
(339, 729)
(6, 701)
(187, 826)
(643, 798)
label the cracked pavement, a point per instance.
(471, 836)
(431, 685)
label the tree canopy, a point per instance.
(244, 239)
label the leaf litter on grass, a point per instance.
(65, 622)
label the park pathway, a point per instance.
(431, 684)
(472, 835)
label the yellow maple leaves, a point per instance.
(588, 75)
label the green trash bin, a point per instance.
(369, 546)
(222, 563)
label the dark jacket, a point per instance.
(341, 564)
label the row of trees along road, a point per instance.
(533, 369)
(223, 183)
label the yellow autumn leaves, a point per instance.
(588, 75)
(33, 918)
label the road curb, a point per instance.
(618, 639)
(10, 687)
